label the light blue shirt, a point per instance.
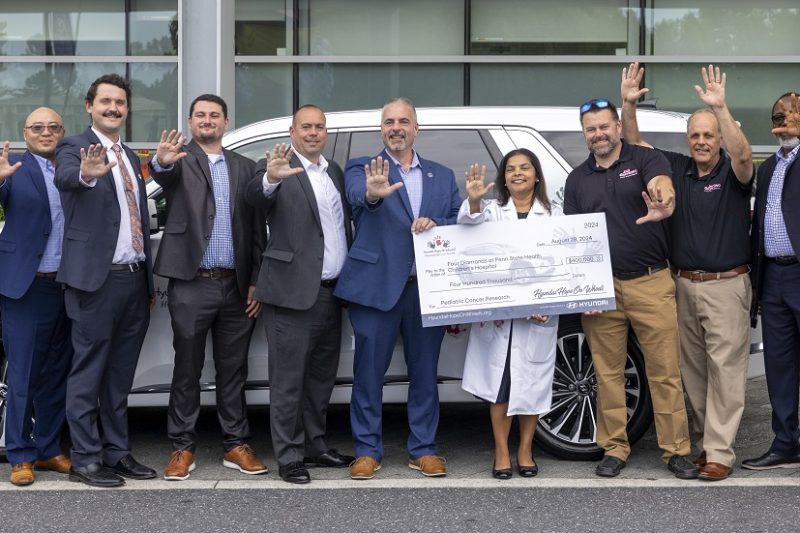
(219, 253)
(776, 238)
(412, 181)
(51, 258)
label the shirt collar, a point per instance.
(322, 165)
(693, 172)
(789, 158)
(45, 164)
(414, 160)
(105, 141)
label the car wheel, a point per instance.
(569, 430)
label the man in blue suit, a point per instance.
(107, 268)
(35, 324)
(393, 195)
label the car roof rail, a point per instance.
(650, 103)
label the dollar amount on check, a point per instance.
(514, 269)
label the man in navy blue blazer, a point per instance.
(107, 268)
(775, 245)
(35, 323)
(394, 195)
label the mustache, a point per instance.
(112, 114)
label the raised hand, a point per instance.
(93, 162)
(792, 120)
(170, 149)
(631, 81)
(657, 208)
(475, 178)
(713, 94)
(6, 168)
(278, 163)
(377, 173)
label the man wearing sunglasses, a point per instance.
(776, 279)
(710, 253)
(35, 323)
(631, 185)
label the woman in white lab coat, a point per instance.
(510, 363)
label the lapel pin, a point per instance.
(430, 174)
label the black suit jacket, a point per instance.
(190, 217)
(292, 265)
(790, 200)
(92, 216)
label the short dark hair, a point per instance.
(209, 98)
(781, 97)
(305, 106)
(539, 188)
(110, 79)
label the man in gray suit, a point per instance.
(309, 220)
(106, 267)
(210, 252)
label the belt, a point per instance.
(412, 279)
(47, 275)
(215, 273)
(622, 275)
(129, 267)
(783, 259)
(328, 283)
(702, 275)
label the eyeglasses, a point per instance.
(597, 103)
(39, 128)
(778, 118)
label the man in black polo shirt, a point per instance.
(710, 252)
(632, 186)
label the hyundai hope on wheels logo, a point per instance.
(438, 242)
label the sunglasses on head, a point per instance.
(597, 103)
(39, 128)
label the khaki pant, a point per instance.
(714, 322)
(648, 305)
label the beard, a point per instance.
(789, 143)
(612, 144)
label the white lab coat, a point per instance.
(533, 344)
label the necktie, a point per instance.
(137, 239)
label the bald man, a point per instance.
(35, 325)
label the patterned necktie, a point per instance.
(137, 239)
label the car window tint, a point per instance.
(256, 150)
(572, 146)
(456, 149)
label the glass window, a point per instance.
(722, 27)
(540, 27)
(263, 27)
(262, 92)
(88, 27)
(367, 27)
(154, 100)
(256, 150)
(341, 87)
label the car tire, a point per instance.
(568, 430)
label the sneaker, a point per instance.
(181, 462)
(364, 468)
(429, 465)
(244, 459)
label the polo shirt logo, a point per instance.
(712, 187)
(628, 173)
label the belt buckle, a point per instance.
(696, 276)
(135, 267)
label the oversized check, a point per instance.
(513, 269)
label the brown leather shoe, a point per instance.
(714, 472)
(429, 465)
(245, 460)
(181, 462)
(364, 468)
(60, 463)
(21, 474)
(700, 460)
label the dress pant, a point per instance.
(780, 326)
(198, 306)
(304, 351)
(375, 336)
(647, 304)
(39, 352)
(714, 324)
(108, 329)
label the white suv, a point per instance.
(455, 137)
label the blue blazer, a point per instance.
(92, 217)
(379, 261)
(28, 225)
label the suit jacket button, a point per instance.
(39, 256)
(211, 217)
(208, 237)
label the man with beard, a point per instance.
(710, 252)
(393, 195)
(106, 267)
(211, 252)
(776, 280)
(632, 186)
(37, 337)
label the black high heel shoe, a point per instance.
(501, 473)
(528, 471)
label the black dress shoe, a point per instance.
(95, 475)
(609, 467)
(131, 468)
(682, 467)
(294, 473)
(501, 473)
(772, 460)
(528, 471)
(332, 459)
